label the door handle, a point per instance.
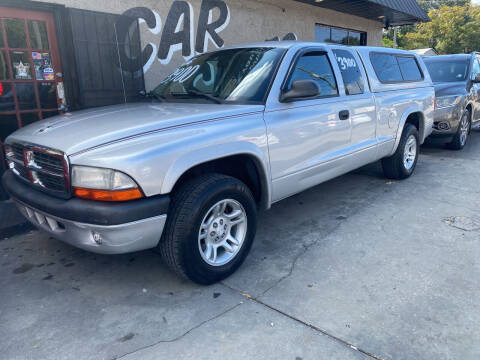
(344, 115)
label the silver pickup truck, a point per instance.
(228, 133)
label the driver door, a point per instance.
(307, 138)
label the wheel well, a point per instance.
(416, 119)
(245, 168)
(469, 108)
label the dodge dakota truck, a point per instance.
(225, 135)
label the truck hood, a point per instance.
(82, 130)
(450, 88)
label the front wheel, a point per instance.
(460, 139)
(402, 164)
(210, 228)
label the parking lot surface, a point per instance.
(357, 268)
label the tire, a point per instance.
(460, 139)
(184, 245)
(394, 167)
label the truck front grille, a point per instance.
(43, 167)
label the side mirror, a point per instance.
(301, 90)
(476, 79)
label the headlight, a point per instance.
(448, 101)
(103, 184)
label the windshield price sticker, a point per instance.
(182, 74)
(346, 63)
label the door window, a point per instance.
(315, 66)
(351, 74)
(476, 67)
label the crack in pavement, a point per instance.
(304, 323)
(178, 337)
(290, 272)
(257, 299)
(322, 331)
(315, 242)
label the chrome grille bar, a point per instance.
(43, 167)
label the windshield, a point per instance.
(447, 70)
(239, 76)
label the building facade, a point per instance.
(64, 55)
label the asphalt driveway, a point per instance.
(357, 268)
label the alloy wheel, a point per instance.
(410, 152)
(222, 232)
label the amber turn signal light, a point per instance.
(108, 195)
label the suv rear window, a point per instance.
(395, 68)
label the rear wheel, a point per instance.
(460, 139)
(210, 228)
(402, 164)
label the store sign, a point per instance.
(178, 33)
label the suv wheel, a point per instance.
(210, 228)
(402, 164)
(460, 139)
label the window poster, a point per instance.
(43, 66)
(22, 70)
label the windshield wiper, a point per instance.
(199, 94)
(153, 95)
(159, 97)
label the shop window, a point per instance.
(3, 66)
(47, 114)
(38, 35)
(332, 34)
(16, 36)
(47, 92)
(339, 36)
(8, 124)
(25, 95)
(21, 65)
(28, 118)
(7, 102)
(322, 33)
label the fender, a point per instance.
(192, 159)
(401, 125)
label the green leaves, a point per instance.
(453, 29)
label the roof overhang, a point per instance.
(390, 12)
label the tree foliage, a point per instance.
(455, 28)
(436, 4)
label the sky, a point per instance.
(476, 2)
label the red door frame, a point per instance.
(25, 15)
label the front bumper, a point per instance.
(105, 228)
(446, 122)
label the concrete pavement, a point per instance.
(358, 268)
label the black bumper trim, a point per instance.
(86, 211)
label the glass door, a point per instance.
(29, 69)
